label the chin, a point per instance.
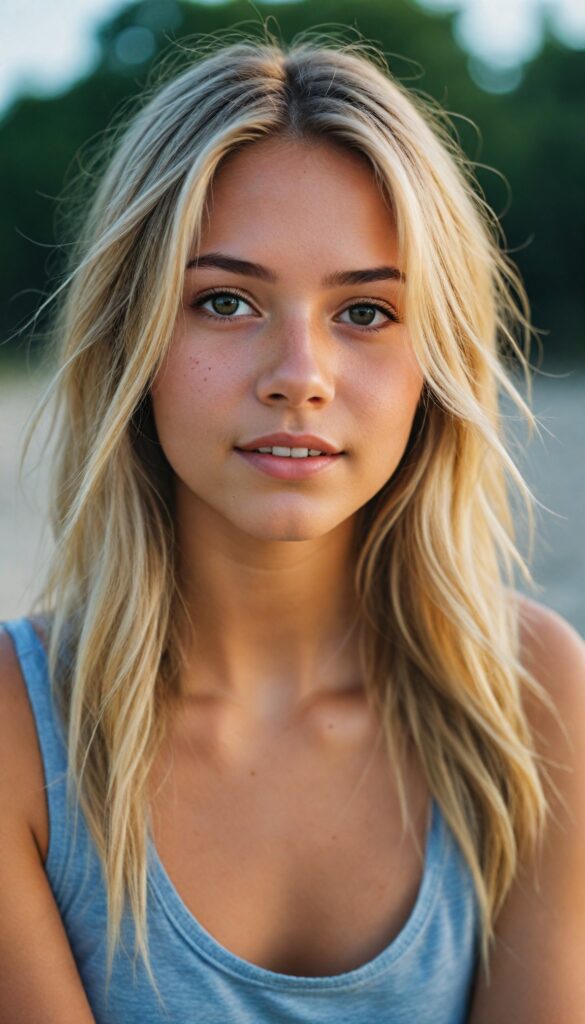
(273, 534)
(274, 528)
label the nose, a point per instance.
(299, 368)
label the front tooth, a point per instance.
(295, 453)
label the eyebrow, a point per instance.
(340, 277)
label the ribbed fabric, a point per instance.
(423, 977)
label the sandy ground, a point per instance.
(555, 468)
(24, 534)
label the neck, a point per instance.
(273, 622)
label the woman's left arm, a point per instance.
(538, 961)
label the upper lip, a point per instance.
(291, 441)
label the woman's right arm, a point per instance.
(39, 981)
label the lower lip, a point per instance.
(287, 467)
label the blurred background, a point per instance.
(510, 72)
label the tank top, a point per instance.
(424, 975)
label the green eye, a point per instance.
(363, 315)
(223, 304)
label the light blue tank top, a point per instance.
(423, 977)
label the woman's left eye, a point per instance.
(365, 313)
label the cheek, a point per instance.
(183, 376)
(389, 413)
(191, 386)
(390, 392)
(183, 402)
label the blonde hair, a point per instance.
(436, 559)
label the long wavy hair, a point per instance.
(436, 553)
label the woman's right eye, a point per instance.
(223, 305)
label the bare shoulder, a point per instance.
(22, 794)
(549, 642)
(554, 653)
(39, 980)
(536, 967)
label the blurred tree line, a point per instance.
(533, 136)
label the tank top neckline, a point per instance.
(201, 940)
(198, 938)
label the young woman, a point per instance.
(327, 760)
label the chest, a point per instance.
(293, 857)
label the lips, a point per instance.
(288, 468)
(291, 441)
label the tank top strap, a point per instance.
(33, 662)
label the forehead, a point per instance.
(304, 194)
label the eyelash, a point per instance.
(234, 293)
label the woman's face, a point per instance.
(306, 354)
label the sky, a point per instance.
(46, 44)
